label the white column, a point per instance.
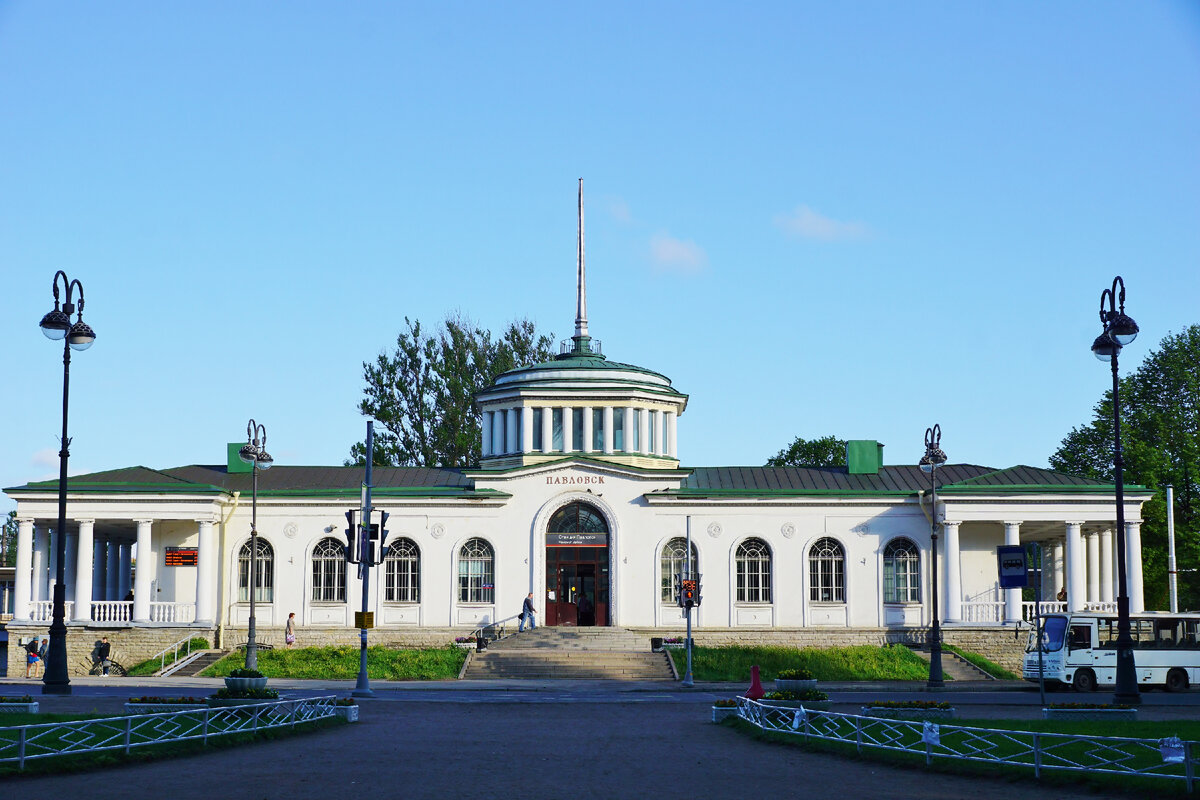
(512, 441)
(628, 413)
(1012, 597)
(660, 434)
(1093, 567)
(547, 429)
(52, 564)
(608, 429)
(84, 563)
(953, 572)
(587, 430)
(23, 580)
(99, 568)
(644, 431)
(1058, 563)
(41, 557)
(69, 569)
(206, 573)
(568, 423)
(672, 423)
(485, 429)
(1075, 579)
(497, 433)
(1106, 566)
(1133, 566)
(112, 572)
(125, 576)
(527, 429)
(141, 585)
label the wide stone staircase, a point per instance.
(571, 654)
(193, 666)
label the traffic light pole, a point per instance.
(363, 687)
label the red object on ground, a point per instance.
(755, 692)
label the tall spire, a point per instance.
(581, 328)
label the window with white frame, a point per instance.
(901, 572)
(476, 572)
(672, 564)
(753, 561)
(827, 572)
(402, 572)
(329, 571)
(264, 567)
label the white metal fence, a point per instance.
(1151, 758)
(25, 742)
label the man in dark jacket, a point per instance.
(102, 655)
(527, 614)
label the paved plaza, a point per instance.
(549, 740)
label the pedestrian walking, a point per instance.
(527, 614)
(102, 655)
(289, 632)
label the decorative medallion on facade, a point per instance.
(862, 529)
(290, 530)
(714, 529)
(788, 530)
(437, 530)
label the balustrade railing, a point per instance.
(173, 612)
(112, 610)
(990, 611)
(43, 610)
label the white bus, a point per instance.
(1080, 650)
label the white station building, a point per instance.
(578, 492)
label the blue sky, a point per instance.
(855, 219)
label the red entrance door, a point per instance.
(577, 591)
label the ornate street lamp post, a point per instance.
(254, 452)
(934, 458)
(78, 336)
(1119, 330)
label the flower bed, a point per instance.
(159, 705)
(910, 709)
(1089, 711)
(18, 705)
(807, 698)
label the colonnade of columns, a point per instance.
(607, 429)
(101, 570)
(1082, 563)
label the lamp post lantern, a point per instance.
(254, 452)
(934, 458)
(1119, 330)
(76, 335)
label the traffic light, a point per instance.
(352, 539)
(690, 591)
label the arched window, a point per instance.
(577, 518)
(402, 572)
(827, 572)
(901, 572)
(264, 581)
(753, 572)
(476, 572)
(329, 571)
(672, 564)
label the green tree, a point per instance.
(1160, 438)
(8, 541)
(828, 451)
(422, 394)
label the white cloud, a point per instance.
(676, 255)
(44, 458)
(808, 224)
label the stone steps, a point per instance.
(194, 668)
(591, 665)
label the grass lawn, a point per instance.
(860, 663)
(113, 731)
(341, 663)
(1080, 753)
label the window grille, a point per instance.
(753, 571)
(672, 564)
(901, 572)
(329, 571)
(827, 572)
(402, 572)
(476, 572)
(264, 582)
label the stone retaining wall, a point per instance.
(995, 644)
(129, 646)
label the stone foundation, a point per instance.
(129, 646)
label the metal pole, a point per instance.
(935, 646)
(1172, 573)
(1127, 687)
(55, 679)
(363, 687)
(251, 646)
(1037, 617)
(688, 680)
